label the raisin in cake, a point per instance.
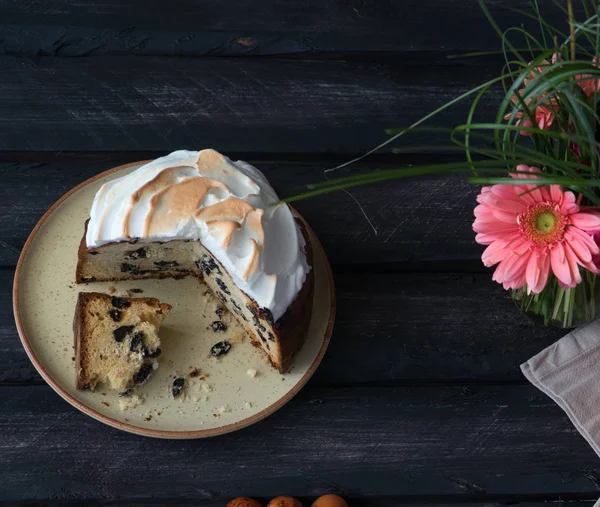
(201, 214)
(116, 339)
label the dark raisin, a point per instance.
(235, 304)
(143, 374)
(127, 392)
(205, 268)
(271, 337)
(87, 387)
(218, 327)
(178, 384)
(222, 296)
(262, 336)
(258, 323)
(220, 311)
(220, 349)
(252, 309)
(136, 341)
(120, 303)
(115, 315)
(208, 265)
(151, 354)
(133, 269)
(166, 264)
(267, 315)
(121, 332)
(136, 291)
(94, 253)
(222, 286)
(140, 253)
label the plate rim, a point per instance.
(149, 432)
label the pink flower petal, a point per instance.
(504, 191)
(544, 267)
(533, 272)
(560, 266)
(573, 264)
(586, 221)
(517, 266)
(498, 275)
(505, 217)
(484, 238)
(569, 206)
(575, 234)
(499, 228)
(556, 193)
(579, 247)
(545, 191)
(511, 206)
(591, 267)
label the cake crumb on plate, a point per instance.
(130, 402)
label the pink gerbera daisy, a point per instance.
(532, 231)
(588, 83)
(544, 115)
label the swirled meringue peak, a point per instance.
(227, 206)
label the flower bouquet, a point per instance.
(539, 160)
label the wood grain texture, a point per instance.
(230, 104)
(577, 500)
(443, 441)
(390, 328)
(215, 28)
(416, 220)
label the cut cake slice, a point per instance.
(116, 340)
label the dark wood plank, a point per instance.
(390, 328)
(459, 441)
(211, 27)
(377, 501)
(416, 220)
(231, 104)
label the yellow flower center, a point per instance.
(542, 224)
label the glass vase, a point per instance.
(562, 308)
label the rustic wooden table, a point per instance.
(419, 399)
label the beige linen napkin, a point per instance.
(569, 372)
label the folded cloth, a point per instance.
(569, 372)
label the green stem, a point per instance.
(571, 27)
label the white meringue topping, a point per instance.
(228, 206)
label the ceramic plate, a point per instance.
(221, 396)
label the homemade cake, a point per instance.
(201, 214)
(116, 340)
